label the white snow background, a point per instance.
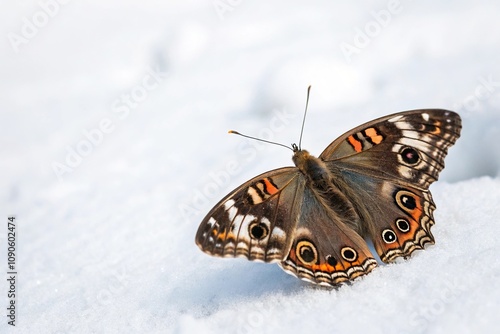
(114, 118)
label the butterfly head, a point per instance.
(300, 157)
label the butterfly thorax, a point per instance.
(322, 182)
(313, 168)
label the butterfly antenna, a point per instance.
(304, 120)
(258, 139)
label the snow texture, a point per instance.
(114, 122)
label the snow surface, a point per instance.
(106, 238)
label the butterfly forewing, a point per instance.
(253, 220)
(407, 147)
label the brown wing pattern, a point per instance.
(324, 249)
(407, 148)
(386, 166)
(397, 218)
(252, 221)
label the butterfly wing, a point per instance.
(407, 147)
(324, 249)
(253, 220)
(278, 217)
(386, 166)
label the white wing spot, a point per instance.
(231, 210)
(273, 251)
(395, 119)
(425, 116)
(229, 203)
(278, 233)
(410, 134)
(405, 172)
(256, 199)
(265, 221)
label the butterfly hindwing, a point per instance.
(325, 250)
(396, 217)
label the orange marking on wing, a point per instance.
(375, 137)
(325, 267)
(437, 128)
(404, 237)
(371, 132)
(270, 188)
(223, 235)
(416, 213)
(340, 266)
(355, 143)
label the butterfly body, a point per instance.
(372, 182)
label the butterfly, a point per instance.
(312, 219)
